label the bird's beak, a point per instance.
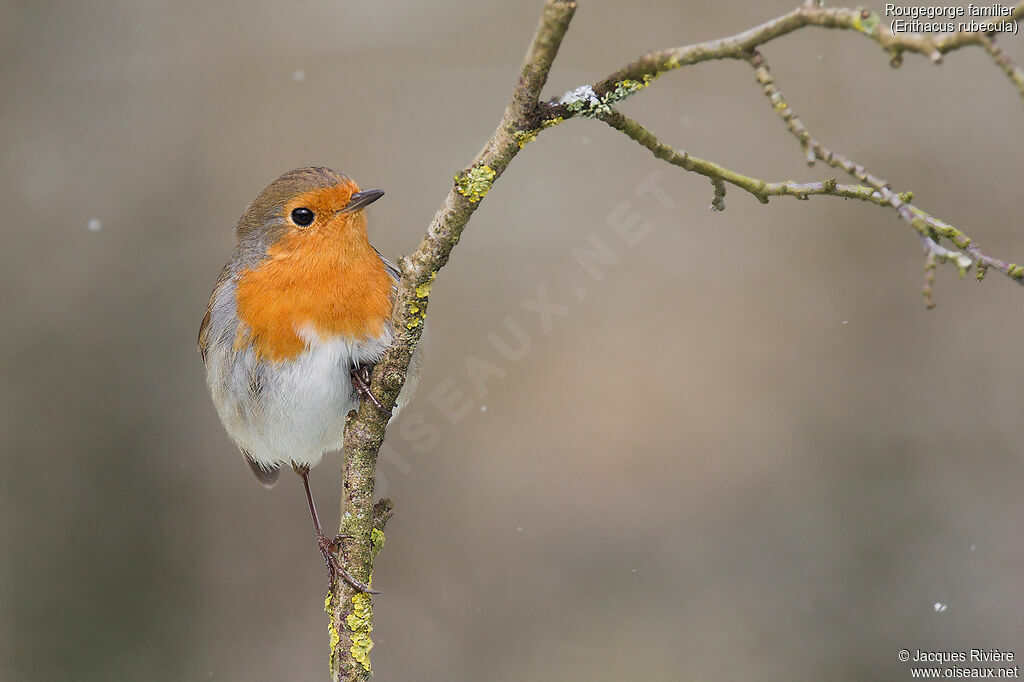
(361, 200)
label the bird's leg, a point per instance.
(328, 546)
(361, 382)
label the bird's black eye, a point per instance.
(303, 216)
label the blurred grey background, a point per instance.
(747, 453)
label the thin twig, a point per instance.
(637, 74)
(763, 190)
(926, 225)
(1012, 71)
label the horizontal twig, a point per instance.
(763, 189)
(638, 74)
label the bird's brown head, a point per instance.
(304, 205)
(304, 264)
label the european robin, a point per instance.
(300, 313)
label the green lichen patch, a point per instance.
(475, 184)
(959, 239)
(376, 541)
(1015, 272)
(866, 21)
(524, 137)
(332, 629)
(584, 102)
(423, 290)
(360, 623)
(417, 314)
(627, 87)
(418, 309)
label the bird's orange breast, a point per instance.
(327, 281)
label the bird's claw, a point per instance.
(328, 546)
(361, 382)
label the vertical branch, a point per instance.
(351, 612)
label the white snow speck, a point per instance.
(940, 607)
(583, 92)
(519, 529)
(846, 322)
(299, 76)
(973, 547)
(483, 408)
(95, 225)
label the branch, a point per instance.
(639, 73)
(596, 101)
(929, 227)
(762, 190)
(350, 611)
(1011, 70)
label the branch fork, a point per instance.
(350, 610)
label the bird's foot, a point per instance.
(328, 547)
(361, 382)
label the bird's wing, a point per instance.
(203, 342)
(392, 269)
(204, 329)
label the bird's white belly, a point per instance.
(298, 410)
(304, 404)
